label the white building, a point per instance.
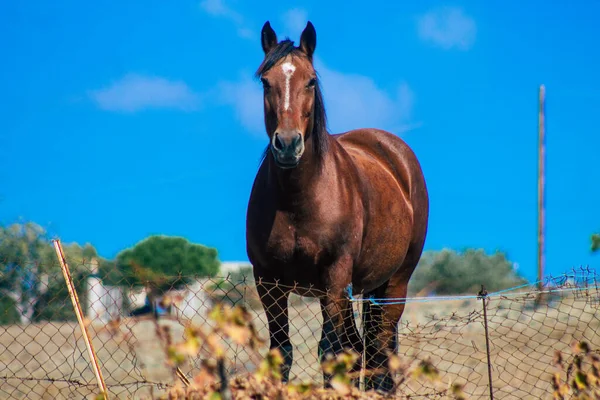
(229, 267)
(104, 303)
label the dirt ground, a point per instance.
(50, 361)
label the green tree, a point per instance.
(160, 263)
(596, 242)
(449, 272)
(8, 311)
(21, 249)
(32, 285)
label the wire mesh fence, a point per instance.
(43, 355)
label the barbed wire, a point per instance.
(42, 352)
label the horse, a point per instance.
(331, 212)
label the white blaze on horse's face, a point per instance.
(288, 70)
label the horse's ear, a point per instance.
(268, 37)
(308, 39)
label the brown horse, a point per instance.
(328, 211)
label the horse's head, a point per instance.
(291, 94)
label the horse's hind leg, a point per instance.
(381, 327)
(274, 300)
(379, 337)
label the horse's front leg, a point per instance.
(274, 300)
(339, 327)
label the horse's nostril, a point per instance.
(277, 143)
(297, 140)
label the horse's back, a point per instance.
(390, 151)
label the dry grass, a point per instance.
(450, 333)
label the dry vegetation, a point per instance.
(50, 361)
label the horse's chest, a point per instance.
(297, 257)
(290, 245)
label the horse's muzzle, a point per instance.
(287, 148)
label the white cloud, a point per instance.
(351, 101)
(294, 22)
(245, 96)
(448, 27)
(218, 8)
(356, 101)
(246, 33)
(136, 92)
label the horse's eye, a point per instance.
(311, 83)
(266, 84)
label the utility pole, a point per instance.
(541, 185)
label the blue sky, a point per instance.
(123, 119)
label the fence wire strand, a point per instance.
(42, 353)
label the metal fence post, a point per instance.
(483, 296)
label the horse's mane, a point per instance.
(319, 133)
